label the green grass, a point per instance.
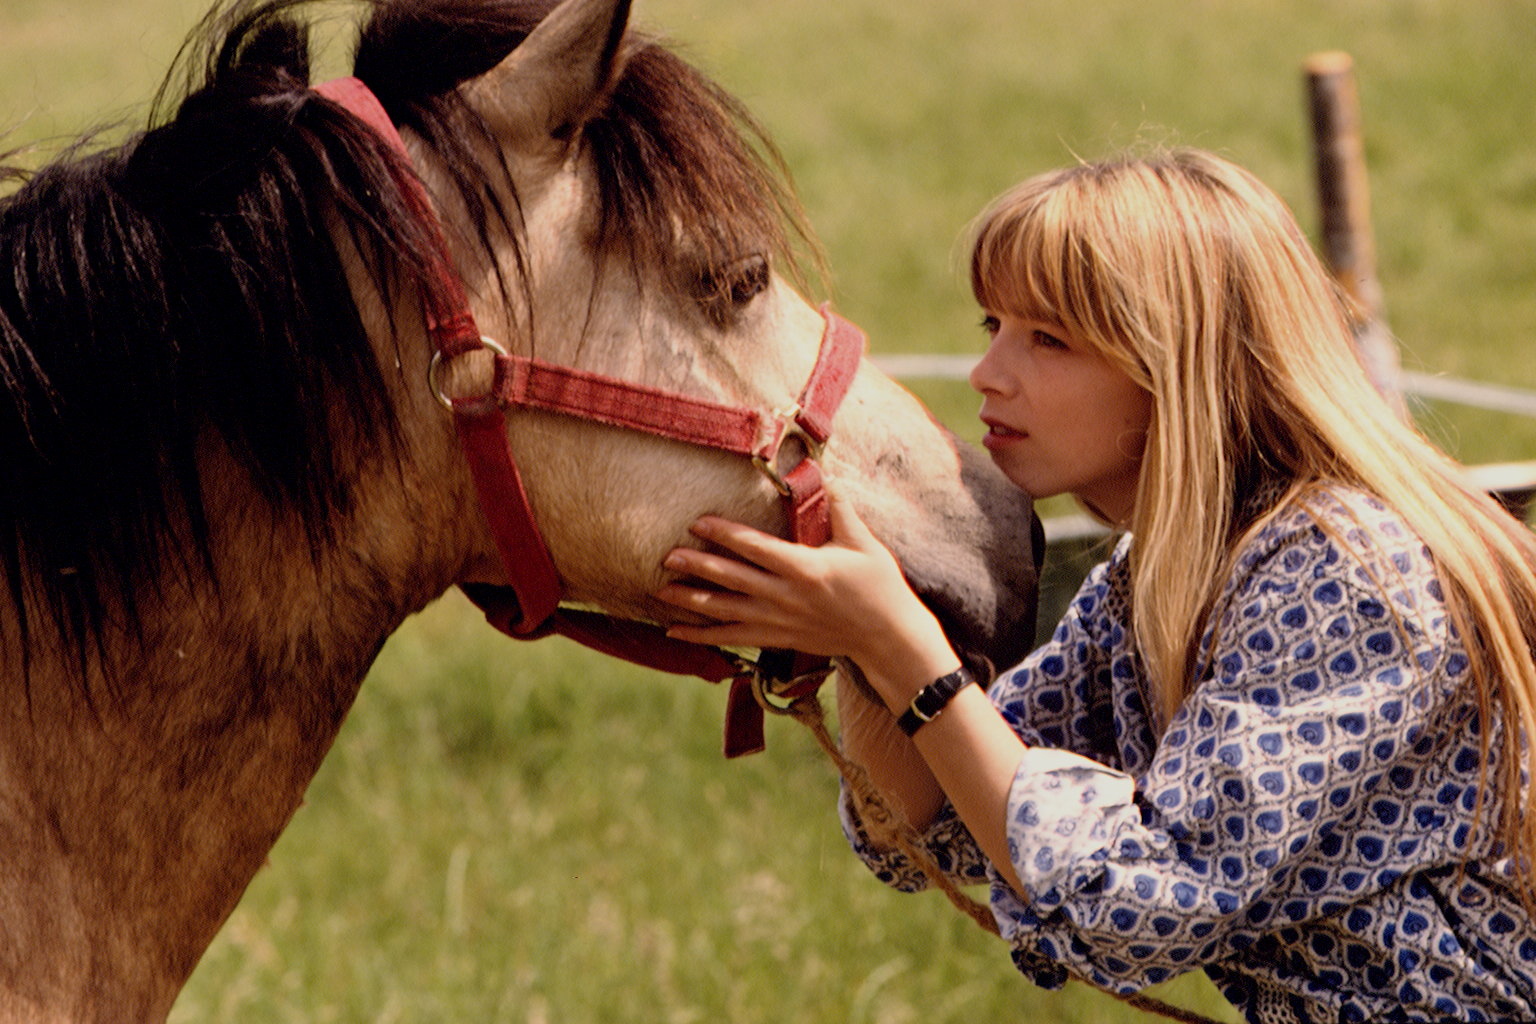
(528, 833)
(510, 832)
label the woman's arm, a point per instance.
(870, 738)
(850, 599)
(967, 753)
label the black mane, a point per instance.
(186, 287)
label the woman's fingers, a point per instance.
(734, 591)
(847, 527)
(733, 619)
(755, 546)
(724, 634)
(725, 572)
(719, 605)
(760, 590)
(776, 555)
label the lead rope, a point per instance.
(807, 710)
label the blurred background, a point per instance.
(528, 832)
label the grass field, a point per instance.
(529, 833)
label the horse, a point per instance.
(230, 476)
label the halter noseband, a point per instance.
(530, 607)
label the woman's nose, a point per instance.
(984, 376)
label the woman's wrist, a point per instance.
(902, 676)
(907, 653)
(932, 699)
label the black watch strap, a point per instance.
(932, 699)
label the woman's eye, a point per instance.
(991, 325)
(1045, 339)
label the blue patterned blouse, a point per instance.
(1304, 831)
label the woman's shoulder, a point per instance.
(1337, 564)
(1362, 515)
(1340, 520)
(1340, 535)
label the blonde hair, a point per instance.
(1194, 278)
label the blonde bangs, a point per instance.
(1030, 259)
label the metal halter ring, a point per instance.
(775, 695)
(768, 464)
(435, 367)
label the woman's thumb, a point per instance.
(847, 527)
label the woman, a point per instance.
(1283, 733)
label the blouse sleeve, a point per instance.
(1274, 796)
(1077, 650)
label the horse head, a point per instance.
(652, 242)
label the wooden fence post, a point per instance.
(1349, 246)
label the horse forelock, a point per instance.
(688, 182)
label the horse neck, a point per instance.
(137, 802)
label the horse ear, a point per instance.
(551, 83)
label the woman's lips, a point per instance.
(1000, 434)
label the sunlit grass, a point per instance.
(529, 832)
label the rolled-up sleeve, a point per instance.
(1078, 650)
(946, 841)
(1067, 815)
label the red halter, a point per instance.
(529, 607)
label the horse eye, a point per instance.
(724, 290)
(749, 279)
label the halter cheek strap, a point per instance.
(482, 427)
(530, 607)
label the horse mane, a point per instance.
(187, 286)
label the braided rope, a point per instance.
(877, 812)
(807, 710)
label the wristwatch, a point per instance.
(932, 699)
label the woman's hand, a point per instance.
(847, 598)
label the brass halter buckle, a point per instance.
(768, 462)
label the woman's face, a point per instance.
(1061, 419)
